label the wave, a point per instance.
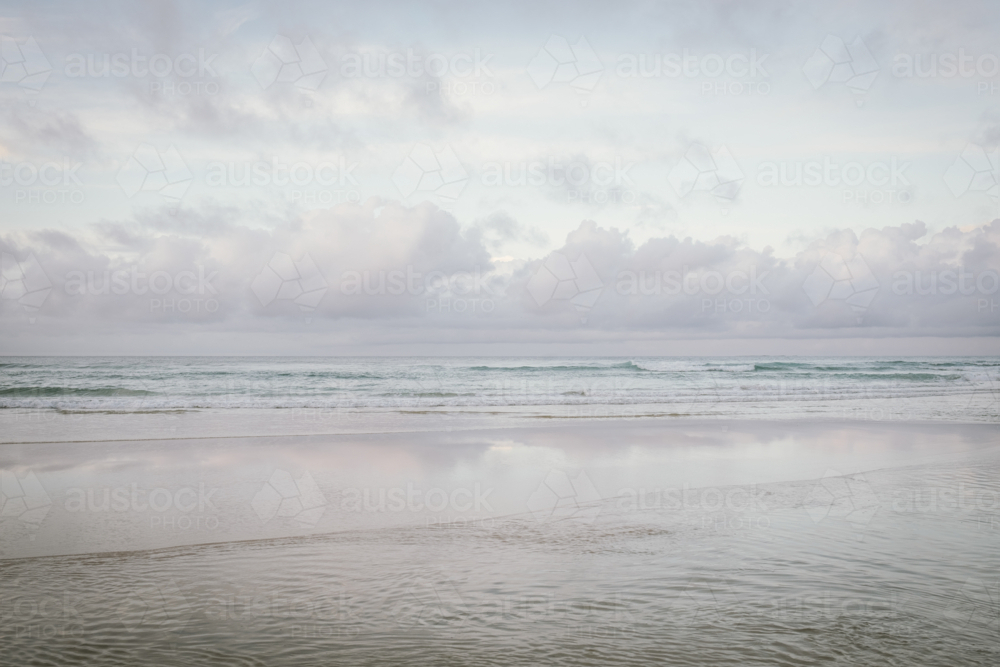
(873, 368)
(901, 376)
(790, 366)
(645, 366)
(26, 392)
(427, 394)
(695, 395)
(627, 365)
(676, 366)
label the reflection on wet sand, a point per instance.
(626, 542)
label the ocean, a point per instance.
(955, 388)
(498, 511)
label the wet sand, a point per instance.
(573, 542)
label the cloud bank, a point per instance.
(381, 273)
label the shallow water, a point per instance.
(764, 543)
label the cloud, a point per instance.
(230, 20)
(712, 221)
(30, 131)
(415, 272)
(501, 229)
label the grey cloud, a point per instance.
(400, 267)
(32, 131)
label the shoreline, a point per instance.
(150, 494)
(22, 426)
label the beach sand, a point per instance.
(552, 541)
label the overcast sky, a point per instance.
(537, 178)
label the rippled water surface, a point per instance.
(689, 544)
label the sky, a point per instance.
(480, 178)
